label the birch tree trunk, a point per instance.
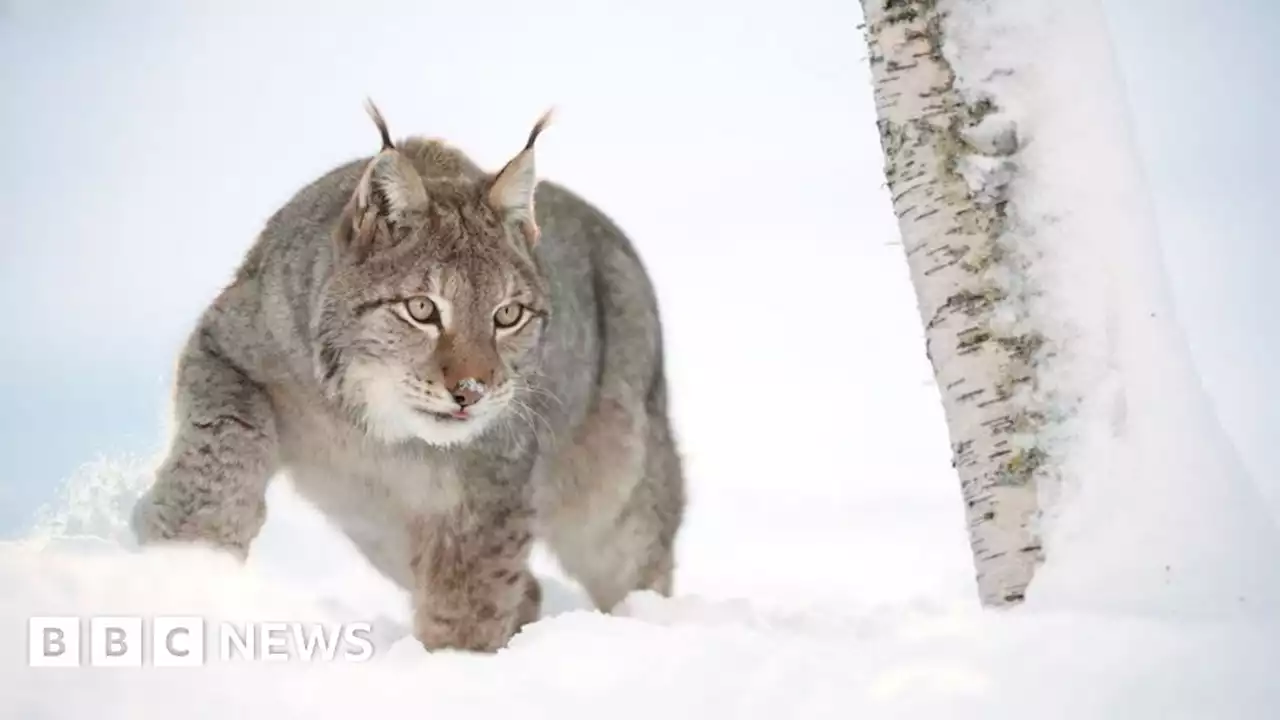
(951, 230)
(1088, 455)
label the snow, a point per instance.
(801, 592)
(812, 649)
(1154, 512)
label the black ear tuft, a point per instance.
(381, 124)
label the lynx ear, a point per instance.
(512, 191)
(390, 185)
(389, 191)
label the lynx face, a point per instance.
(429, 324)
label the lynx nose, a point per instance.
(468, 392)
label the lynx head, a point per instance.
(430, 320)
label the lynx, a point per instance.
(448, 363)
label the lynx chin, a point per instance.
(449, 363)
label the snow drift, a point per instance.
(1155, 512)
(691, 656)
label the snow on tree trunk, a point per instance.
(1088, 456)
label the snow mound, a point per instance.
(682, 657)
(691, 656)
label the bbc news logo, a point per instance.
(188, 641)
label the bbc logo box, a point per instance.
(175, 641)
(53, 642)
(180, 641)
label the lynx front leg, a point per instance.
(211, 487)
(472, 587)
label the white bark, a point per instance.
(948, 162)
(1088, 456)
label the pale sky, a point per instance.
(144, 143)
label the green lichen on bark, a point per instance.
(1023, 347)
(900, 11)
(1022, 466)
(978, 110)
(988, 257)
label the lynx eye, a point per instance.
(509, 315)
(422, 310)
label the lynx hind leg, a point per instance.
(661, 500)
(618, 542)
(211, 486)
